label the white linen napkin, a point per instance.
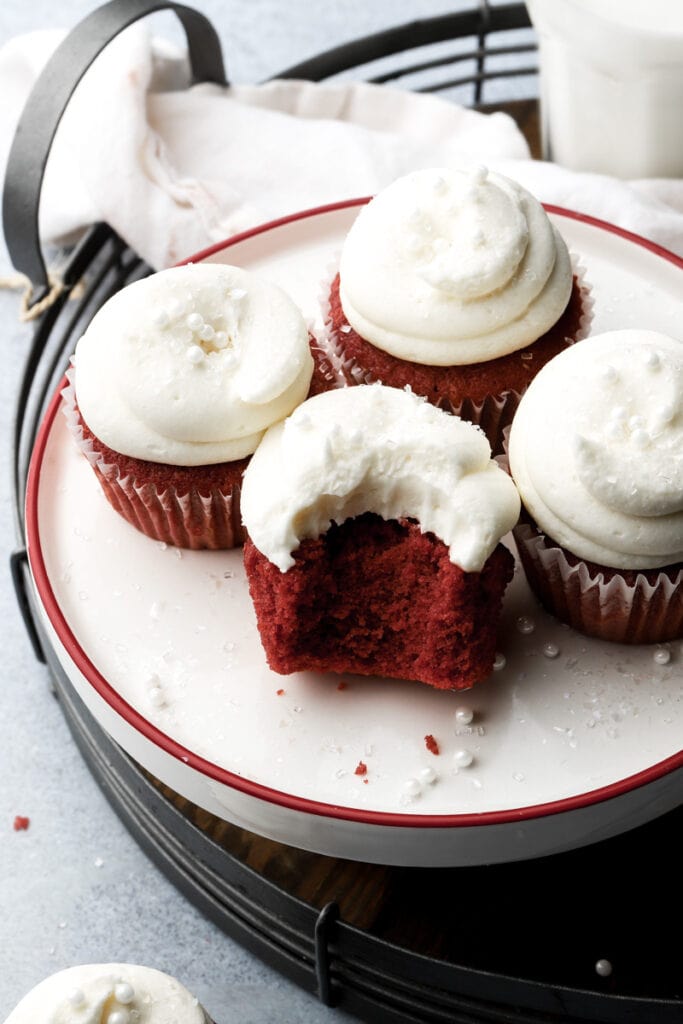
(174, 170)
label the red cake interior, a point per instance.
(377, 597)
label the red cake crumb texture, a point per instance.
(431, 744)
(380, 598)
(361, 768)
(341, 686)
(280, 692)
(21, 823)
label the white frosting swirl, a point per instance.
(189, 366)
(596, 449)
(450, 267)
(376, 449)
(108, 994)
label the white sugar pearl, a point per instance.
(428, 776)
(636, 422)
(124, 993)
(618, 414)
(206, 332)
(195, 321)
(551, 650)
(640, 438)
(161, 318)
(194, 355)
(662, 656)
(464, 716)
(118, 1017)
(412, 787)
(499, 662)
(463, 758)
(603, 968)
(525, 624)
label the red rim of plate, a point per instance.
(223, 775)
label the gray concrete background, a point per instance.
(75, 887)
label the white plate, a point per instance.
(567, 749)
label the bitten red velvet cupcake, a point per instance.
(374, 522)
(596, 451)
(173, 385)
(455, 283)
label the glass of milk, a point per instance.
(612, 85)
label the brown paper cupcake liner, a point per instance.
(493, 413)
(200, 517)
(624, 607)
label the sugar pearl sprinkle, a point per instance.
(124, 993)
(525, 624)
(463, 716)
(662, 656)
(428, 776)
(551, 650)
(499, 662)
(603, 968)
(412, 788)
(463, 758)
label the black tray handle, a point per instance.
(48, 101)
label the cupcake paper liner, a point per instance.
(202, 517)
(601, 603)
(493, 413)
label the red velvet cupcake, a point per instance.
(456, 284)
(173, 385)
(596, 450)
(374, 522)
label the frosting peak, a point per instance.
(447, 267)
(382, 450)
(189, 366)
(596, 449)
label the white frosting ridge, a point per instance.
(108, 994)
(189, 366)
(450, 267)
(383, 450)
(596, 449)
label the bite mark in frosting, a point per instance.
(189, 366)
(382, 450)
(449, 267)
(596, 449)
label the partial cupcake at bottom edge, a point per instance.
(596, 451)
(454, 282)
(110, 994)
(374, 521)
(173, 384)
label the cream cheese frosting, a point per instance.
(109, 994)
(383, 450)
(596, 449)
(450, 267)
(188, 367)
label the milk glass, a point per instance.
(612, 85)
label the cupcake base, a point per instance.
(485, 393)
(376, 597)
(622, 606)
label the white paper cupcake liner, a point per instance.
(493, 413)
(602, 602)
(189, 520)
